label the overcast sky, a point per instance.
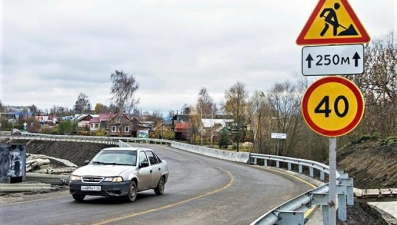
(53, 50)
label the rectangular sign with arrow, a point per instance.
(332, 60)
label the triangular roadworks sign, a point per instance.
(333, 22)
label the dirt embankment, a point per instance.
(372, 163)
(75, 152)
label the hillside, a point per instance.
(372, 162)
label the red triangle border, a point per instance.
(324, 41)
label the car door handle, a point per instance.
(151, 171)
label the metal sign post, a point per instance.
(332, 180)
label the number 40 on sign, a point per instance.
(332, 106)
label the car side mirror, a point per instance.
(144, 164)
(86, 162)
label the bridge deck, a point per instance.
(384, 194)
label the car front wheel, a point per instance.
(132, 191)
(78, 198)
(159, 190)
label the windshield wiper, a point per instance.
(121, 164)
(99, 162)
(112, 163)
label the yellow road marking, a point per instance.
(170, 205)
(309, 211)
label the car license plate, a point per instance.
(91, 188)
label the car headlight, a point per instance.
(114, 179)
(74, 177)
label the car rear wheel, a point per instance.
(78, 198)
(132, 191)
(159, 190)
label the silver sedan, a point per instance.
(120, 171)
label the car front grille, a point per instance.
(95, 180)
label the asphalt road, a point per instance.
(200, 190)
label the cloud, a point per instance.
(54, 50)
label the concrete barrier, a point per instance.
(52, 179)
(24, 187)
(243, 157)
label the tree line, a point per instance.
(277, 110)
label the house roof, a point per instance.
(105, 116)
(116, 115)
(181, 127)
(81, 117)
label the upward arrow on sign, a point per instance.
(309, 60)
(356, 57)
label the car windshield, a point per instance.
(115, 157)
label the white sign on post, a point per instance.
(279, 135)
(332, 60)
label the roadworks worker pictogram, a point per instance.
(331, 18)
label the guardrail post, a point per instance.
(348, 182)
(325, 209)
(255, 161)
(311, 173)
(300, 169)
(341, 191)
(322, 175)
(289, 166)
(278, 164)
(265, 162)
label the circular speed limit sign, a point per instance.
(332, 106)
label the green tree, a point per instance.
(67, 127)
(224, 140)
(100, 108)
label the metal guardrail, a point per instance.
(291, 212)
(312, 165)
(80, 138)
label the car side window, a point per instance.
(142, 157)
(157, 157)
(153, 159)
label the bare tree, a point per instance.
(259, 114)
(186, 109)
(205, 105)
(82, 104)
(285, 113)
(236, 104)
(33, 109)
(123, 90)
(206, 108)
(378, 84)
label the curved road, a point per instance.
(200, 190)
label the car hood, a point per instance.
(101, 170)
